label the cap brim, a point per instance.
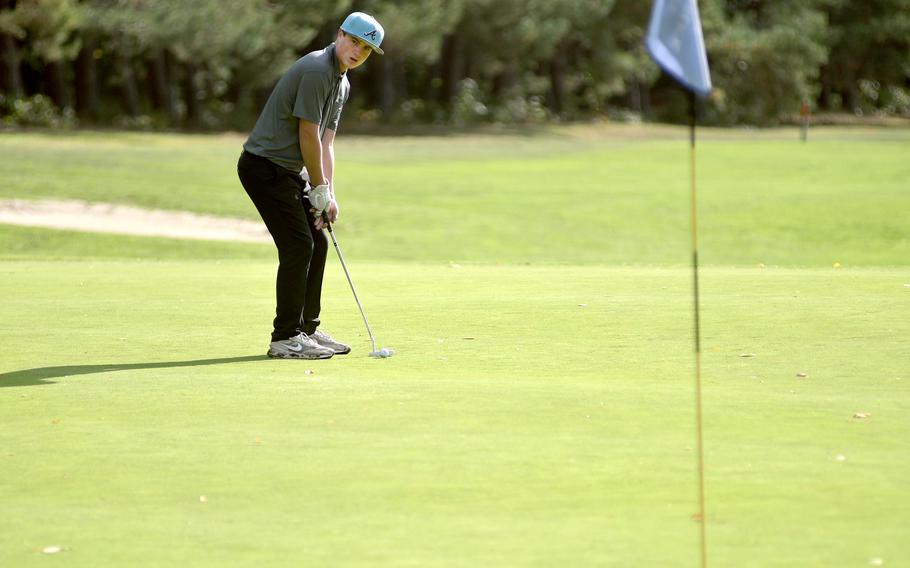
(375, 48)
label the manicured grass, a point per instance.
(540, 408)
(561, 433)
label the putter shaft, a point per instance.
(350, 282)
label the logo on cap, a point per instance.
(371, 35)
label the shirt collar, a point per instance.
(331, 50)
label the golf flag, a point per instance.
(676, 43)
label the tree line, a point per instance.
(211, 63)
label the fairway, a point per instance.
(540, 409)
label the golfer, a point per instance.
(287, 167)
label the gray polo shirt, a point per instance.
(312, 89)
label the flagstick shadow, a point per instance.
(42, 375)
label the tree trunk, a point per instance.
(503, 83)
(824, 95)
(171, 67)
(452, 66)
(556, 98)
(190, 95)
(851, 92)
(128, 91)
(10, 78)
(645, 93)
(87, 103)
(156, 80)
(431, 83)
(635, 95)
(55, 85)
(391, 79)
(368, 81)
(160, 91)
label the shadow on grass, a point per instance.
(42, 375)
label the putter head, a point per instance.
(383, 353)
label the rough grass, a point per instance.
(608, 195)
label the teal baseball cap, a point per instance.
(365, 27)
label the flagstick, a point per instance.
(703, 519)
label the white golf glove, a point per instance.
(320, 197)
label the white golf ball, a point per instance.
(385, 352)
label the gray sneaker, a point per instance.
(323, 339)
(298, 347)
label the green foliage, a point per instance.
(513, 46)
(764, 61)
(232, 40)
(37, 110)
(47, 28)
(522, 62)
(467, 107)
(889, 100)
(611, 36)
(415, 29)
(870, 55)
(520, 110)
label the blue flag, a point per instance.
(676, 43)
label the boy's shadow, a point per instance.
(42, 375)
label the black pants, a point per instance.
(278, 195)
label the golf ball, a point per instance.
(382, 353)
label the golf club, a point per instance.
(381, 353)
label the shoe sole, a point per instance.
(274, 355)
(337, 352)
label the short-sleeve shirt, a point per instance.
(313, 89)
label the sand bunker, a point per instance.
(126, 220)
